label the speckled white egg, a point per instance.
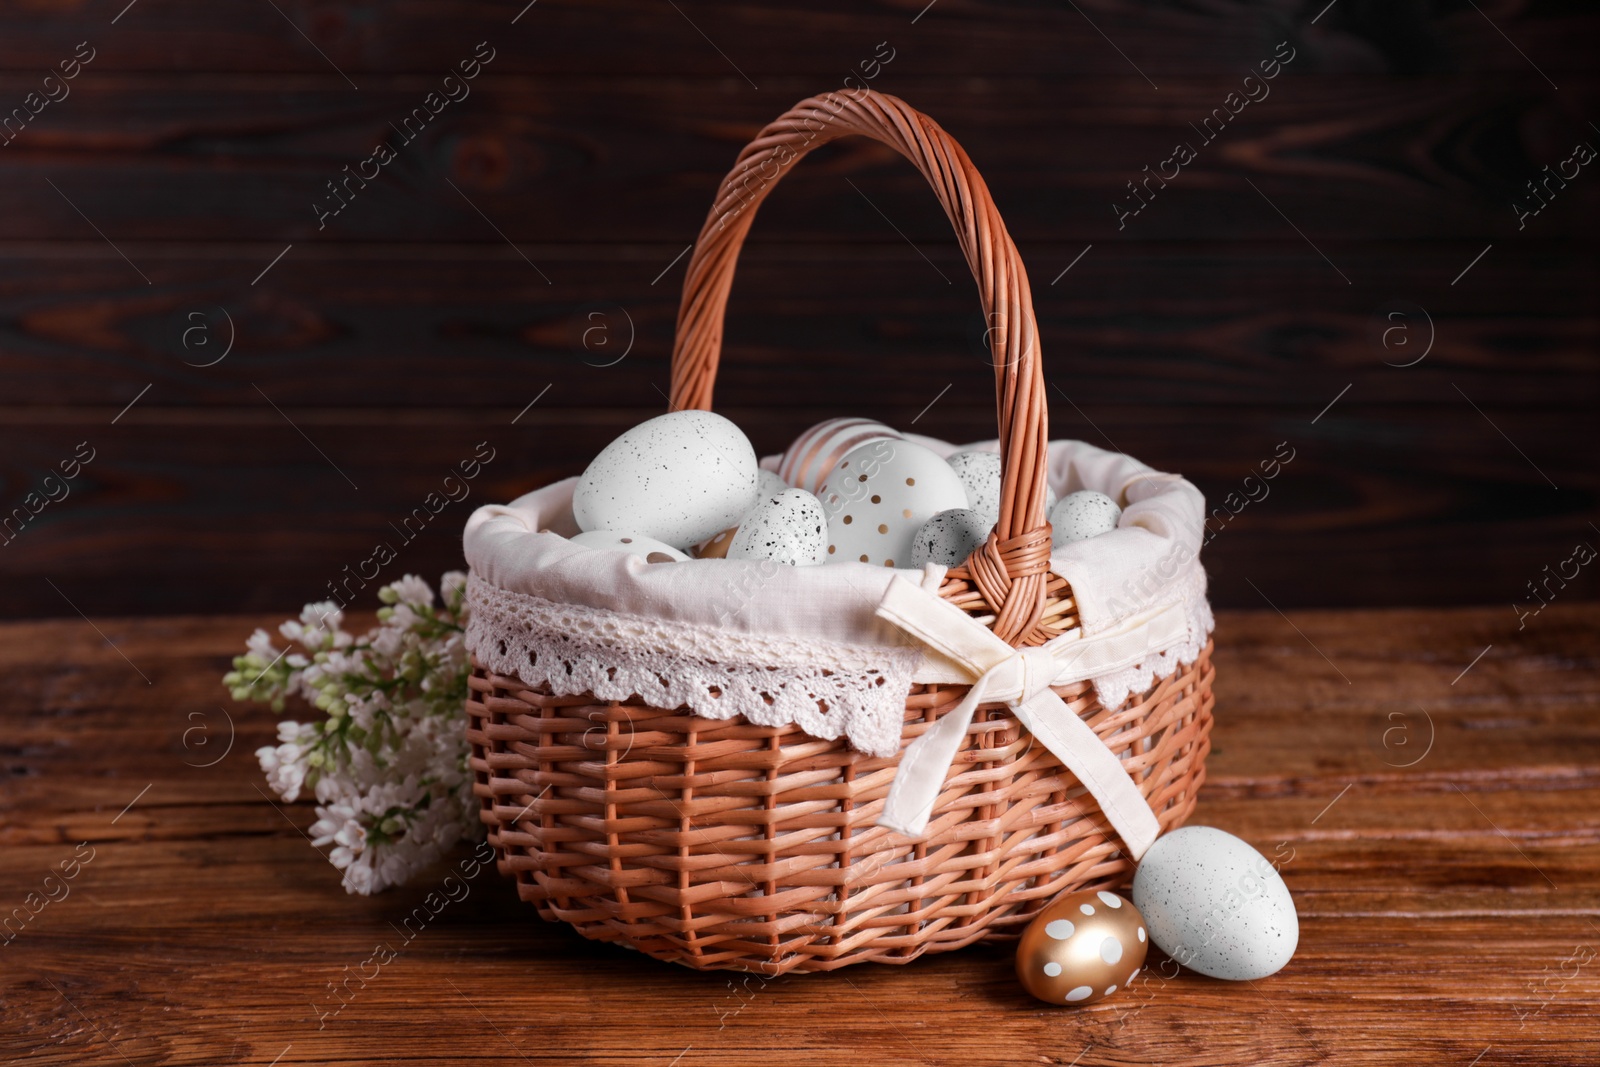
(646, 548)
(679, 478)
(1081, 515)
(808, 461)
(1216, 905)
(878, 497)
(788, 528)
(768, 483)
(950, 536)
(980, 476)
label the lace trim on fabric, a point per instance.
(827, 689)
(1114, 689)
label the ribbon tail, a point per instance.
(923, 767)
(1083, 753)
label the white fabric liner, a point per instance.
(804, 645)
(828, 688)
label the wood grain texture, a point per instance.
(428, 325)
(1437, 829)
(146, 207)
(594, 160)
(574, 37)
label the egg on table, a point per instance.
(646, 548)
(788, 527)
(878, 497)
(679, 478)
(1216, 905)
(1081, 948)
(1082, 515)
(820, 449)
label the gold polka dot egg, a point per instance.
(1082, 948)
(879, 495)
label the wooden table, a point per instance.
(1439, 826)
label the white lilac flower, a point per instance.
(388, 641)
(388, 762)
(317, 626)
(453, 591)
(413, 591)
(260, 644)
(286, 765)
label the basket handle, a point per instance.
(1010, 568)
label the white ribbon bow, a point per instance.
(961, 649)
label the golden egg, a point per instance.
(716, 546)
(1082, 947)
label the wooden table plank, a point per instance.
(1449, 904)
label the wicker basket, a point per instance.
(724, 844)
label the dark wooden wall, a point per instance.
(370, 360)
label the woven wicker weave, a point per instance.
(722, 844)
